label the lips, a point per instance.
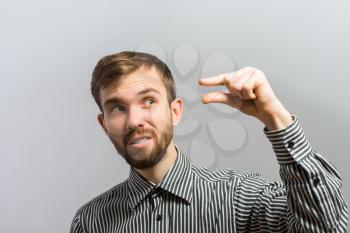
(138, 139)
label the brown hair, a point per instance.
(111, 67)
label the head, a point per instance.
(136, 95)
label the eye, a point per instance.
(149, 101)
(117, 108)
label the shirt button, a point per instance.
(316, 181)
(159, 217)
(291, 144)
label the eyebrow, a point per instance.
(118, 99)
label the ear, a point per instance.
(176, 110)
(101, 120)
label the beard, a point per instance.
(142, 158)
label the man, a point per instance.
(166, 193)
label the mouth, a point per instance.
(139, 142)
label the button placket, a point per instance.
(156, 215)
(156, 200)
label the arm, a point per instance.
(309, 200)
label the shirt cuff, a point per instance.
(289, 144)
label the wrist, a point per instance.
(277, 121)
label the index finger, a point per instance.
(214, 80)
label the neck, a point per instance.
(156, 173)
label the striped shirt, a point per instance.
(194, 199)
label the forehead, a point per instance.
(129, 85)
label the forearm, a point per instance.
(314, 188)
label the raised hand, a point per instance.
(250, 92)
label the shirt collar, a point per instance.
(138, 188)
(177, 181)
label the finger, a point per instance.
(243, 71)
(221, 97)
(245, 84)
(248, 87)
(235, 84)
(219, 79)
(213, 81)
(232, 87)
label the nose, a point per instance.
(135, 118)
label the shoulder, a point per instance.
(217, 175)
(115, 194)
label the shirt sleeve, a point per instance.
(309, 199)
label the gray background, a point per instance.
(55, 157)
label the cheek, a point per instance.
(159, 115)
(115, 127)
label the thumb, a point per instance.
(224, 98)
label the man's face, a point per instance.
(137, 117)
